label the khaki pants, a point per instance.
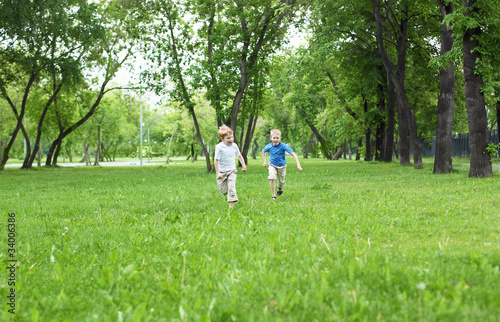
(277, 173)
(227, 185)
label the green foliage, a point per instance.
(73, 45)
(346, 240)
(47, 36)
(484, 14)
(492, 149)
(362, 151)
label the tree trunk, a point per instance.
(69, 152)
(98, 150)
(380, 133)
(368, 133)
(391, 121)
(404, 110)
(498, 120)
(396, 144)
(2, 144)
(360, 145)
(52, 149)
(56, 152)
(19, 117)
(479, 136)
(242, 130)
(248, 138)
(115, 149)
(192, 153)
(417, 155)
(446, 103)
(255, 149)
(53, 154)
(200, 139)
(394, 77)
(252, 121)
(84, 119)
(39, 159)
(308, 147)
(379, 142)
(247, 63)
(324, 146)
(28, 162)
(215, 96)
(339, 152)
(239, 95)
(187, 100)
(86, 154)
(403, 105)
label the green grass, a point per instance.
(346, 241)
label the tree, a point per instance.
(43, 40)
(301, 91)
(252, 105)
(260, 25)
(106, 57)
(53, 43)
(347, 51)
(479, 136)
(446, 103)
(407, 123)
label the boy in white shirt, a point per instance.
(225, 166)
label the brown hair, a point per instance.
(225, 131)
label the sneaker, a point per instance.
(280, 192)
(273, 198)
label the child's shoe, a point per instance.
(279, 192)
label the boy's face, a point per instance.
(228, 139)
(275, 138)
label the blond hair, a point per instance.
(275, 131)
(225, 131)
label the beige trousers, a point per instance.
(227, 185)
(277, 173)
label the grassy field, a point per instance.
(346, 241)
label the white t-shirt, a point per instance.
(226, 155)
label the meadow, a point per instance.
(347, 241)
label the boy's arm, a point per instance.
(216, 166)
(242, 161)
(264, 157)
(294, 155)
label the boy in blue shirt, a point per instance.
(277, 162)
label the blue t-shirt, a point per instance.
(277, 153)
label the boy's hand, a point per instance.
(244, 169)
(219, 175)
(264, 165)
(300, 168)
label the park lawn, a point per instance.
(117, 159)
(348, 240)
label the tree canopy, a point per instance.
(371, 75)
